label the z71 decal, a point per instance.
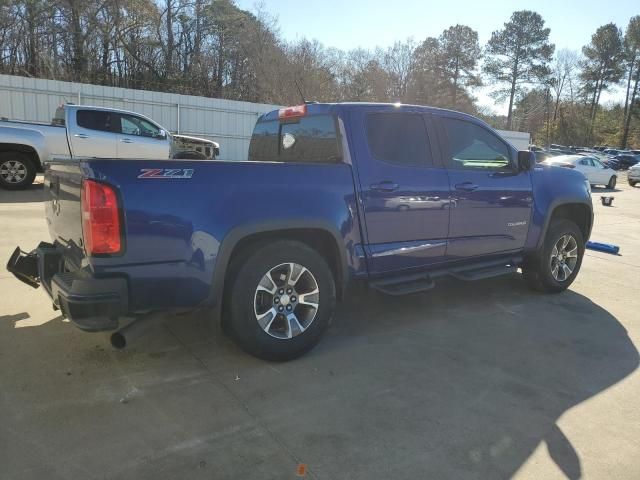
(166, 173)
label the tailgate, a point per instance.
(62, 186)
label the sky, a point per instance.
(348, 24)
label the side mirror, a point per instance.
(162, 135)
(524, 160)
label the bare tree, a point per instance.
(398, 61)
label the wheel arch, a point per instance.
(578, 211)
(318, 235)
(25, 149)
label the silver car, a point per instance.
(633, 175)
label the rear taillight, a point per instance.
(101, 226)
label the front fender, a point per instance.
(552, 188)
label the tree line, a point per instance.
(215, 49)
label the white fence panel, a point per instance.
(227, 122)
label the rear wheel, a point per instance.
(282, 299)
(556, 266)
(17, 171)
(612, 182)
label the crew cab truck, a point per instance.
(395, 196)
(82, 131)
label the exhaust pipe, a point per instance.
(123, 337)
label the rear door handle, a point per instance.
(81, 135)
(386, 186)
(126, 140)
(466, 186)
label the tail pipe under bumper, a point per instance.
(138, 327)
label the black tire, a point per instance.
(9, 161)
(186, 155)
(241, 315)
(537, 270)
(612, 182)
(632, 183)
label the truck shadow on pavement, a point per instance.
(34, 193)
(464, 381)
(496, 366)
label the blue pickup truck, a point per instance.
(392, 196)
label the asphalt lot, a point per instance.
(470, 380)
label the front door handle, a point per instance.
(386, 186)
(126, 140)
(81, 135)
(466, 186)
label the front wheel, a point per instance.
(282, 299)
(612, 182)
(556, 266)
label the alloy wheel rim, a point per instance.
(564, 257)
(13, 171)
(286, 300)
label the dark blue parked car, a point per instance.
(331, 194)
(625, 161)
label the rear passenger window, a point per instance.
(472, 147)
(399, 138)
(307, 139)
(95, 120)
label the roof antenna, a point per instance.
(300, 91)
(304, 100)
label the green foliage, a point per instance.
(518, 55)
(458, 56)
(603, 57)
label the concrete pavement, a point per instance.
(469, 380)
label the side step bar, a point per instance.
(418, 282)
(482, 273)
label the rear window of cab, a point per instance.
(308, 139)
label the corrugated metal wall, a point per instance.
(227, 122)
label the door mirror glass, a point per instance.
(524, 160)
(161, 134)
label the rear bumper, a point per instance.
(92, 304)
(634, 175)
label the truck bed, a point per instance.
(22, 123)
(178, 215)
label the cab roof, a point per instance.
(316, 108)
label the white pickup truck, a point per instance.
(94, 132)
